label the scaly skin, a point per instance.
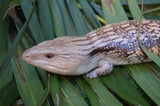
(114, 44)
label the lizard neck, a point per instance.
(82, 45)
(90, 42)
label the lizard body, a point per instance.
(99, 50)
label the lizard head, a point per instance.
(61, 56)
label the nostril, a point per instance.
(25, 56)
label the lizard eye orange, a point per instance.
(49, 55)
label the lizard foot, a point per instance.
(104, 67)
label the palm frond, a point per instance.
(126, 85)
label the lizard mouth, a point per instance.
(50, 68)
(45, 65)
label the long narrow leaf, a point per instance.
(113, 11)
(55, 90)
(9, 94)
(13, 48)
(68, 24)
(147, 81)
(71, 94)
(77, 17)
(134, 8)
(7, 74)
(87, 89)
(56, 17)
(45, 19)
(35, 27)
(106, 97)
(97, 9)
(3, 8)
(122, 86)
(90, 14)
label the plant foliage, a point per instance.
(22, 26)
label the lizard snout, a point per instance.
(26, 56)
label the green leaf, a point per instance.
(15, 44)
(7, 72)
(97, 9)
(146, 79)
(3, 8)
(7, 76)
(87, 89)
(55, 90)
(70, 93)
(9, 94)
(34, 25)
(104, 95)
(134, 9)
(4, 28)
(149, 2)
(113, 11)
(118, 81)
(56, 17)
(77, 17)
(45, 19)
(15, 3)
(90, 14)
(68, 24)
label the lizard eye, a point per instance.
(49, 55)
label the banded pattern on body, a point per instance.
(119, 40)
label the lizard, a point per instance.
(98, 51)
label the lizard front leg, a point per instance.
(104, 67)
